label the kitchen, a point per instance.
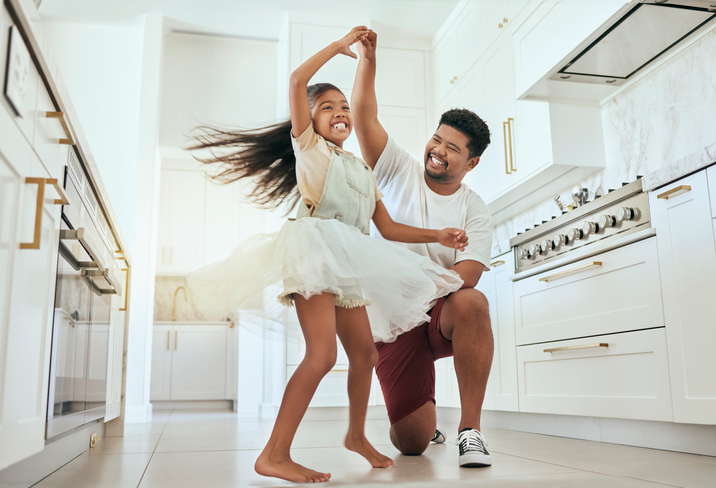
(157, 72)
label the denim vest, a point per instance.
(348, 193)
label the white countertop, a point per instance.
(685, 166)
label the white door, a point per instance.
(687, 259)
(199, 362)
(161, 381)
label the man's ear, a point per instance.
(472, 162)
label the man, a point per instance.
(431, 195)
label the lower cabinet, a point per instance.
(682, 215)
(618, 375)
(189, 362)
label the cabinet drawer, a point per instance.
(629, 378)
(616, 291)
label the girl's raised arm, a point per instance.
(297, 97)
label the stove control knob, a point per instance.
(547, 245)
(590, 228)
(606, 221)
(535, 249)
(625, 213)
(574, 234)
(560, 240)
(525, 254)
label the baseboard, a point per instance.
(667, 436)
(195, 405)
(58, 452)
(141, 414)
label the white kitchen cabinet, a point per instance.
(115, 358)
(407, 126)
(616, 291)
(681, 214)
(189, 362)
(711, 175)
(47, 135)
(29, 261)
(180, 245)
(551, 32)
(496, 16)
(444, 66)
(618, 375)
(400, 77)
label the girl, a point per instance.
(329, 267)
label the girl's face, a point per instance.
(331, 117)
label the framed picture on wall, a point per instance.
(17, 72)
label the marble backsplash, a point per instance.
(186, 309)
(662, 120)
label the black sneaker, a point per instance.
(473, 451)
(438, 438)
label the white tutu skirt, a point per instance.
(310, 256)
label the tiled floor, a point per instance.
(191, 449)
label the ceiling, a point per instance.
(419, 19)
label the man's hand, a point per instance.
(367, 45)
(355, 35)
(453, 238)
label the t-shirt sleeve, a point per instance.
(479, 229)
(312, 159)
(378, 193)
(393, 161)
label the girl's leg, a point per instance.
(318, 323)
(353, 329)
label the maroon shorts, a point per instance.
(406, 367)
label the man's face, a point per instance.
(447, 158)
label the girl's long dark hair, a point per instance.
(265, 154)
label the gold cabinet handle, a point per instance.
(674, 192)
(570, 348)
(504, 134)
(126, 291)
(176, 339)
(510, 124)
(497, 263)
(169, 335)
(61, 117)
(500, 25)
(63, 200)
(564, 274)
(41, 182)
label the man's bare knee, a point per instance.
(408, 443)
(411, 435)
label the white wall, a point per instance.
(217, 81)
(658, 120)
(101, 66)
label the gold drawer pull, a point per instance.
(63, 200)
(510, 123)
(564, 274)
(504, 136)
(334, 370)
(41, 182)
(497, 263)
(126, 292)
(571, 348)
(674, 192)
(61, 117)
(169, 334)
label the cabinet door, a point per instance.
(505, 361)
(444, 66)
(487, 287)
(161, 381)
(500, 155)
(181, 246)
(26, 322)
(47, 135)
(307, 40)
(468, 39)
(407, 126)
(400, 81)
(492, 20)
(687, 258)
(199, 362)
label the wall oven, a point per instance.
(86, 284)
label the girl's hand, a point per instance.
(367, 45)
(356, 34)
(453, 238)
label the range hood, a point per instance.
(645, 32)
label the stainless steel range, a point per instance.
(621, 212)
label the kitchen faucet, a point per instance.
(174, 303)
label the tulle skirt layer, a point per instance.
(310, 256)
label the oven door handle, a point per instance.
(105, 276)
(83, 237)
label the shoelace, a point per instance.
(469, 441)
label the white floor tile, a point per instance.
(99, 470)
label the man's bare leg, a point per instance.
(465, 321)
(411, 435)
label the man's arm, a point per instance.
(470, 271)
(372, 137)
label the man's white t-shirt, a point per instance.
(410, 201)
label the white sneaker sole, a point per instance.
(474, 460)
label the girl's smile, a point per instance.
(331, 117)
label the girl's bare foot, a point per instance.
(288, 470)
(360, 445)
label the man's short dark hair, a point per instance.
(467, 122)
